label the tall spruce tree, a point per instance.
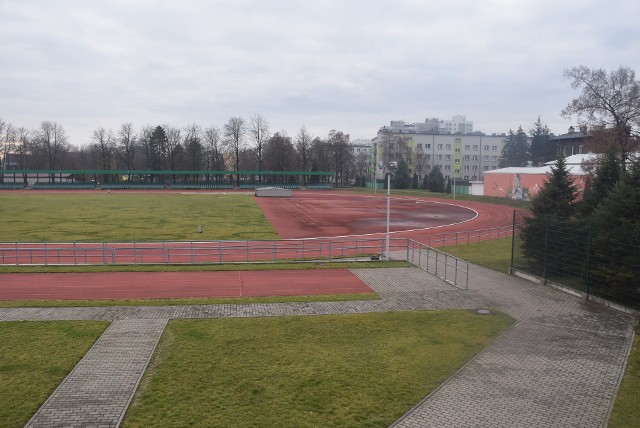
(401, 179)
(435, 180)
(516, 149)
(552, 208)
(616, 241)
(605, 177)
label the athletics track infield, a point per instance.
(308, 215)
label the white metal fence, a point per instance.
(443, 265)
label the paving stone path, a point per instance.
(559, 365)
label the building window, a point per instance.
(475, 157)
(494, 148)
(486, 158)
(439, 146)
(466, 177)
(494, 158)
(448, 146)
(467, 147)
(439, 157)
(475, 167)
(486, 148)
(466, 157)
(458, 150)
(447, 157)
(427, 146)
(419, 156)
(419, 145)
(466, 167)
(427, 156)
(494, 167)
(486, 168)
(475, 148)
(457, 160)
(447, 167)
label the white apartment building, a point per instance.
(463, 155)
(457, 125)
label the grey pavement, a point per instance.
(559, 365)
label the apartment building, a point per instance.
(459, 155)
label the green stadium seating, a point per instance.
(63, 186)
(11, 186)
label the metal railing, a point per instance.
(445, 266)
(187, 252)
(449, 268)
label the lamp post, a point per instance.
(391, 169)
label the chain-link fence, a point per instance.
(580, 254)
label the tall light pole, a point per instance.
(391, 169)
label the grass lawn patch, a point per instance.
(626, 411)
(34, 358)
(494, 254)
(98, 217)
(340, 370)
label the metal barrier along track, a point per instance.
(189, 252)
(449, 268)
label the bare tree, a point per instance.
(234, 131)
(608, 100)
(23, 147)
(259, 131)
(193, 147)
(103, 147)
(126, 148)
(173, 148)
(280, 155)
(7, 143)
(342, 155)
(213, 150)
(303, 147)
(52, 140)
(148, 146)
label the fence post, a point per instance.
(513, 242)
(17, 259)
(546, 248)
(588, 260)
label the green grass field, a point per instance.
(129, 216)
(344, 370)
(626, 412)
(494, 254)
(34, 358)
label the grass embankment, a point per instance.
(343, 370)
(34, 358)
(113, 216)
(626, 412)
(494, 254)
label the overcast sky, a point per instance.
(346, 65)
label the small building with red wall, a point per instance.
(525, 182)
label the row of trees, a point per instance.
(238, 145)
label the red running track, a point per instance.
(164, 285)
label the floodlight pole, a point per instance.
(388, 212)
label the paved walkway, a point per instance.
(559, 365)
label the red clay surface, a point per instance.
(312, 215)
(162, 285)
